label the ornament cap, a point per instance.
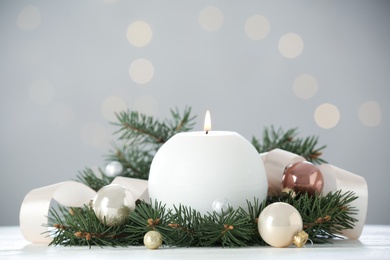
(301, 238)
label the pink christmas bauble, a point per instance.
(303, 177)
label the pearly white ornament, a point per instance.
(278, 223)
(221, 205)
(114, 168)
(113, 204)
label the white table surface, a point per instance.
(374, 243)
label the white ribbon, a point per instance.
(335, 179)
(137, 187)
(275, 163)
(36, 204)
(339, 179)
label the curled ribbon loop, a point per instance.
(338, 179)
(335, 179)
(36, 204)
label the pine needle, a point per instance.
(324, 218)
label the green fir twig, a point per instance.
(324, 218)
(287, 140)
(139, 138)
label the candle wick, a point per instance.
(207, 131)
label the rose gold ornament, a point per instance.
(303, 177)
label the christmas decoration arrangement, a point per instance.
(164, 185)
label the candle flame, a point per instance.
(207, 122)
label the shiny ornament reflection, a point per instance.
(114, 169)
(221, 206)
(113, 204)
(278, 223)
(303, 177)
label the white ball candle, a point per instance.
(196, 168)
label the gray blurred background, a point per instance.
(67, 66)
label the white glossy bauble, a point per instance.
(195, 168)
(221, 205)
(113, 204)
(114, 168)
(278, 223)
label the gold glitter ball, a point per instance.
(153, 239)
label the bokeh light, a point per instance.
(139, 34)
(305, 86)
(93, 134)
(370, 113)
(112, 105)
(141, 71)
(327, 116)
(29, 18)
(257, 27)
(290, 45)
(211, 18)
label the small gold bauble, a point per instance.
(301, 238)
(278, 223)
(153, 239)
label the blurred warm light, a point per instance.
(211, 18)
(290, 45)
(141, 71)
(370, 113)
(112, 105)
(305, 86)
(327, 116)
(29, 18)
(257, 27)
(139, 34)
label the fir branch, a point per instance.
(254, 210)
(181, 123)
(233, 230)
(324, 218)
(148, 217)
(81, 227)
(136, 160)
(140, 128)
(140, 137)
(89, 178)
(184, 223)
(288, 140)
